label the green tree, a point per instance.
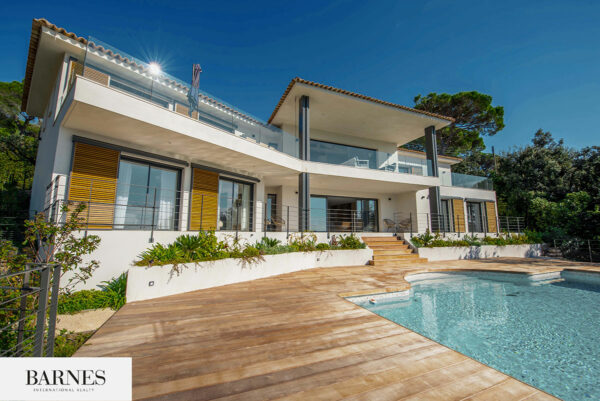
(474, 115)
(19, 136)
(555, 187)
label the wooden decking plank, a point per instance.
(293, 336)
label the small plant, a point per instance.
(268, 243)
(351, 242)
(160, 254)
(304, 242)
(67, 343)
(323, 246)
(50, 242)
(114, 292)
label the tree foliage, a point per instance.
(19, 135)
(475, 117)
(556, 188)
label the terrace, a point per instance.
(295, 337)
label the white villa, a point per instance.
(119, 136)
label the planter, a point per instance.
(480, 252)
(159, 281)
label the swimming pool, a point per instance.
(544, 333)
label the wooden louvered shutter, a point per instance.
(490, 211)
(94, 181)
(75, 68)
(203, 206)
(95, 75)
(458, 207)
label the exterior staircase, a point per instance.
(391, 251)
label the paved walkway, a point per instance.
(293, 337)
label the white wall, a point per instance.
(120, 248)
(481, 252)
(159, 281)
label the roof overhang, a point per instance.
(353, 114)
(47, 46)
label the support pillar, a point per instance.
(303, 202)
(435, 203)
(304, 153)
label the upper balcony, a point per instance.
(333, 153)
(466, 181)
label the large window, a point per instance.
(235, 205)
(147, 196)
(333, 153)
(343, 214)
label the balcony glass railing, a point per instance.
(466, 181)
(332, 153)
(102, 66)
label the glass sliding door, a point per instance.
(366, 215)
(235, 205)
(147, 196)
(343, 214)
(318, 213)
(446, 216)
(475, 216)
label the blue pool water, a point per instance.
(544, 334)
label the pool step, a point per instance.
(391, 251)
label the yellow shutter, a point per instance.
(490, 211)
(75, 68)
(203, 206)
(181, 109)
(96, 75)
(459, 215)
(94, 181)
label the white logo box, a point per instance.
(65, 379)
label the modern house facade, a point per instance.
(118, 135)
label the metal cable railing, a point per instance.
(28, 309)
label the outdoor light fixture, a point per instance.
(154, 68)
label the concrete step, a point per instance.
(397, 262)
(380, 239)
(402, 255)
(385, 243)
(391, 248)
(392, 251)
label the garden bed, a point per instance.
(480, 252)
(159, 281)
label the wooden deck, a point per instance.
(294, 337)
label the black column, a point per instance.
(431, 151)
(435, 204)
(304, 153)
(303, 202)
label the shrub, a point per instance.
(351, 242)
(306, 242)
(114, 292)
(111, 295)
(433, 241)
(80, 300)
(323, 246)
(67, 343)
(160, 254)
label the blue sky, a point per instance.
(540, 60)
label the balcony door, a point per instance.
(147, 196)
(235, 205)
(475, 217)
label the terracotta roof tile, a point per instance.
(345, 92)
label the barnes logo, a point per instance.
(56, 377)
(65, 379)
